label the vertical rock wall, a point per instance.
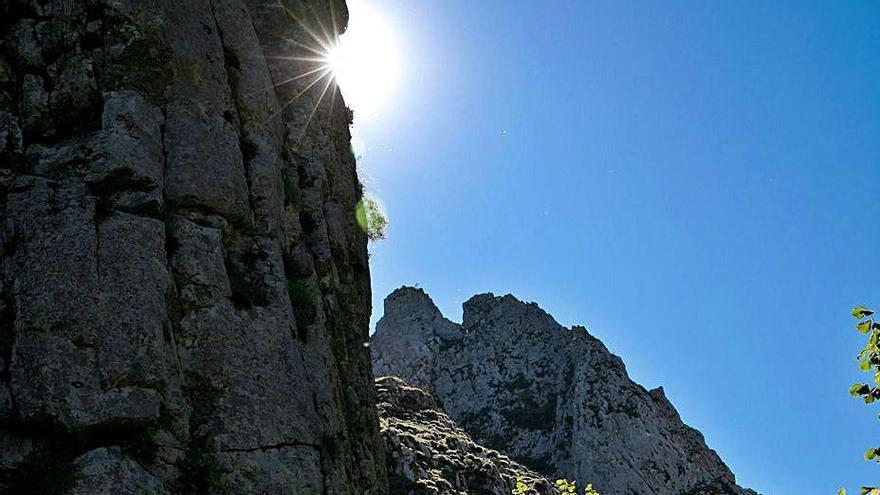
(185, 291)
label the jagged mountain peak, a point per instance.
(410, 300)
(488, 306)
(553, 398)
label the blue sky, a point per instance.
(696, 182)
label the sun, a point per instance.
(366, 61)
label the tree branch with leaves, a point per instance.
(869, 362)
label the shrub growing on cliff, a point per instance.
(371, 217)
(563, 487)
(869, 362)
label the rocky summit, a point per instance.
(552, 398)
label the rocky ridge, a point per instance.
(184, 290)
(427, 454)
(552, 398)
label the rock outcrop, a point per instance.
(427, 454)
(552, 398)
(184, 289)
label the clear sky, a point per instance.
(696, 182)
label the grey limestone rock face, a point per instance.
(184, 290)
(552, 398)
(108, 471)
(428, 454)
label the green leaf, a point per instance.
(871, 454)
(842, 491)
(860, 312)
(859, 389)
(865, 326)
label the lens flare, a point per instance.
(365, 61)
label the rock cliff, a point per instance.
(428, 454)
(552, 398)
(184, 290)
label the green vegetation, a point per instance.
(866, 490)
(869, 362)
(304, 307)
(563, 487)
(371, 217)
(201, 472)
(145, 62)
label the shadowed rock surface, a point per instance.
(428, 454)
(184, 289)
(552, 398)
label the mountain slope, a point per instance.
(427, 454)
(550, 397)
